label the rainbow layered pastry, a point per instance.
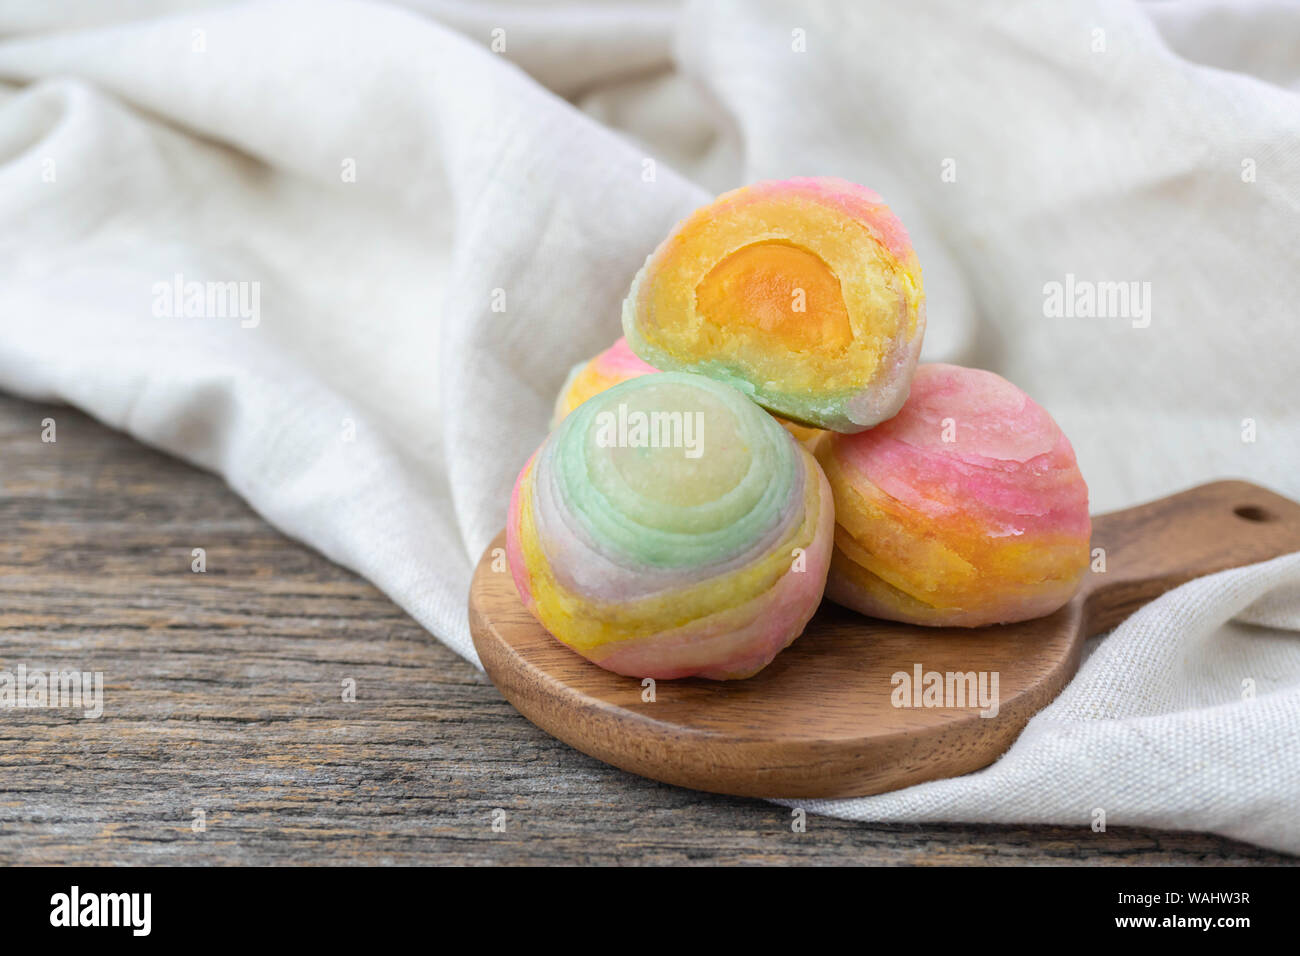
(671, 528)
(965, 509)
(804, 294)
(616, 364)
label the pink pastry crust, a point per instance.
(967, 508)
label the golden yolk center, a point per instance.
(779, 290)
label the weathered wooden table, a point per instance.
(225, 737)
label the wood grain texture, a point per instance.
(223, 694)
(821, 721)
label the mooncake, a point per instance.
(804, 294)
(669, 527)
(967, 508)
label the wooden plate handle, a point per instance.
(1157, 546)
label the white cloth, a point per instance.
(442, 205)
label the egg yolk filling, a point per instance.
(776, 292)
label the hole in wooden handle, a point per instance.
(1252, 513)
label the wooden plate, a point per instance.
(821, 720)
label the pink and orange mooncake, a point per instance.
(965, 509)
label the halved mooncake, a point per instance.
(805, 294)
